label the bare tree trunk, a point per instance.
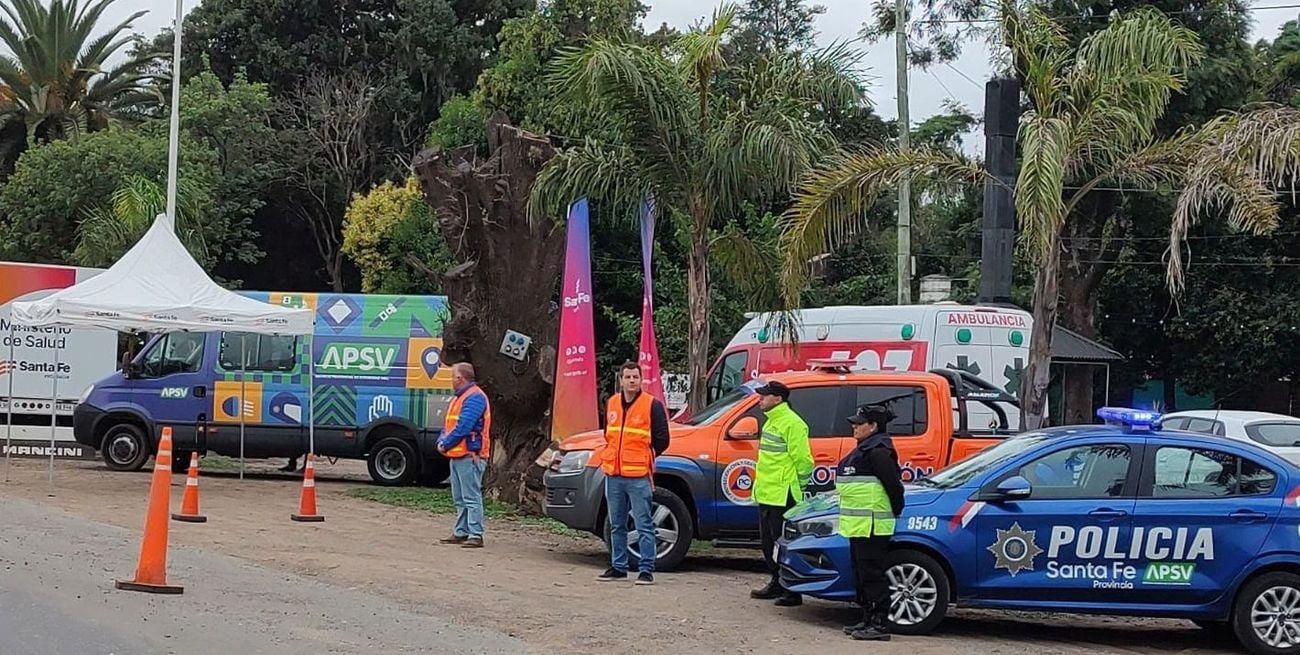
(506, 275)
(700, 304)
(1092, 239)
(1038, 374)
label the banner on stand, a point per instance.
(575, 406)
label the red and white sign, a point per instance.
(868, 355)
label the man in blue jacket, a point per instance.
(466, 443)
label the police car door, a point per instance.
(1202, 514)
(1065, 542)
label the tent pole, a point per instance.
(9, 401)
(54, 413)
(243, 372)
(311, 394)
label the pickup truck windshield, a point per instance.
(720, 406)
(961, 472)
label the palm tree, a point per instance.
(1091, 123)
(698, 133)
(106, 233)
(55, 82)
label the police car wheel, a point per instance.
(124, 448)
(1266, 617)
(674, 532)
(392, 462)
(920, 591)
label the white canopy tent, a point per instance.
(158, 287)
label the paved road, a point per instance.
(57, 598)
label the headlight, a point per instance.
(85, 394)
(822, 526)
(573, 461)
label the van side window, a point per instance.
(175, 352)
(911, 411)
(729, 375)
(264, 352)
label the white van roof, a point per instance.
(848, 314)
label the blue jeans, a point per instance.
(622, 494)
(467, 495)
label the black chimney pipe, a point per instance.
(998, 227)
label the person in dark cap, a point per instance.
(870, 487)
(783, 470)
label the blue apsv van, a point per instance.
(380, 390)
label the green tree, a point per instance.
(393, 238)
(54, 187)
(107, 232)
(418, 53)
(700, 152)
(56, 79)
(776, 25)
(1091, 123)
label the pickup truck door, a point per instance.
(823, 408)
(920, 444)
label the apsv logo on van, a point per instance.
(358, 359)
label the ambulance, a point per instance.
(991, 343)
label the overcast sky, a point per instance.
(962, 81)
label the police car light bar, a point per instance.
(1136, 419)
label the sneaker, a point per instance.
(611, 574)
(769, 592)
(789, 600)
(870, 633)
(645, 579)
(454, 539)
(473, 542)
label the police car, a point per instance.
(1107, 519)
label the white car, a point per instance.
(1276, 432)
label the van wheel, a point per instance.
(392, 462)
(674, 531)
(124, 448)
(919, 592)
(1266, 617)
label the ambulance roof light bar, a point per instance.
(1137, 420)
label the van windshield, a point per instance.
(721, 405)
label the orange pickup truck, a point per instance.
(703, 483)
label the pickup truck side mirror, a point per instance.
(1013, 488)
(745, 428)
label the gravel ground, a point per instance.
(371, 578)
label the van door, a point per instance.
(270, 394)
(730, 372)
(173, 385)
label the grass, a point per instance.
(218, 463)
(438, 501)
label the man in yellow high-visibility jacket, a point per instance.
(784, 468)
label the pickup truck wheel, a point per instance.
(1266, 617)
(392, 462)
(124, 448)
(919, 592)
(674, 532)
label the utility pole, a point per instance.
(904, 144)
(174, 128)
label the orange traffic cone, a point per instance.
(307, 504)
(190, 500)
(151, 572)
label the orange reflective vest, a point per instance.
(627, 451)
(483, 437)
